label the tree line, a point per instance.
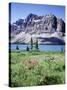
(31, 45)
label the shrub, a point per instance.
(63, 67)
(52, 79)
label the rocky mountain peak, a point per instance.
(47, 23)
(33, 24)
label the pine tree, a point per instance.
(36, 44)
(31, 43)
(17, 48)
(27, 48)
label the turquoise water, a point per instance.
(41, 47)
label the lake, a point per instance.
(41, 47)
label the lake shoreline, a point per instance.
(41, 47)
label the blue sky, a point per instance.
(21, 10)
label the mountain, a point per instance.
(47, 28)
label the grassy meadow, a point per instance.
(34, 68)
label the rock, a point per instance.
(60, 25)
(48, 26)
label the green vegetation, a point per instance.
(32, 68)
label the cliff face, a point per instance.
(48, 26)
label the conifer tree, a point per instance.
(36, 44)
(27, 48)
(31, 43)
(17, 48)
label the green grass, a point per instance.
(32, 68)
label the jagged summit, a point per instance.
(45, 26)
